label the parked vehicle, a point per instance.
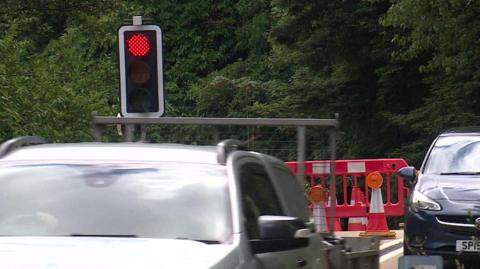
(443, 217)
(138, 205)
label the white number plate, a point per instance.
(468, 245)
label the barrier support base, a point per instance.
(387, 234)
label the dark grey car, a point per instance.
(443, 217)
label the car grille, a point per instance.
(460, 225)
(457, 219)
(461, 230)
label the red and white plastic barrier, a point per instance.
(351, 175)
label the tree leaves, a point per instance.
(397, 73)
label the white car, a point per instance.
(136, 205)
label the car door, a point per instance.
(294, 204)
(259, 198)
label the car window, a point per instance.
(295, 203)
(158, 200)
(454, 154)
(258, 196)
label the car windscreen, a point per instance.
(159, 200)
(459, 154)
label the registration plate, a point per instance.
(468, 245)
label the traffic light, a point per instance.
(141, 71)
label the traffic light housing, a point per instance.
(141, 71)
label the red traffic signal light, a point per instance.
(138, 45)
(141, 71)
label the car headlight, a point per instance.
(422, 202)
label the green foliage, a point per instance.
(51, 88)
(397, 73)
(445, 37)
(201, 37)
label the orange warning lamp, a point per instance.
(317, 194)
(374, 180)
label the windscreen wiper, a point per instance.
(208, 242)
(468, 173)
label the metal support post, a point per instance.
(129, 132)
(301, 142)
(215, 135)
(143, 133)
(97, 133)
(96, 128)
(333, 148)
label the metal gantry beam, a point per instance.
(327, 123)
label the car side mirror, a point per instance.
(279, 233)
(279, 227)
(409, 173)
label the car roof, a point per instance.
(93, 151)
(467, 130)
